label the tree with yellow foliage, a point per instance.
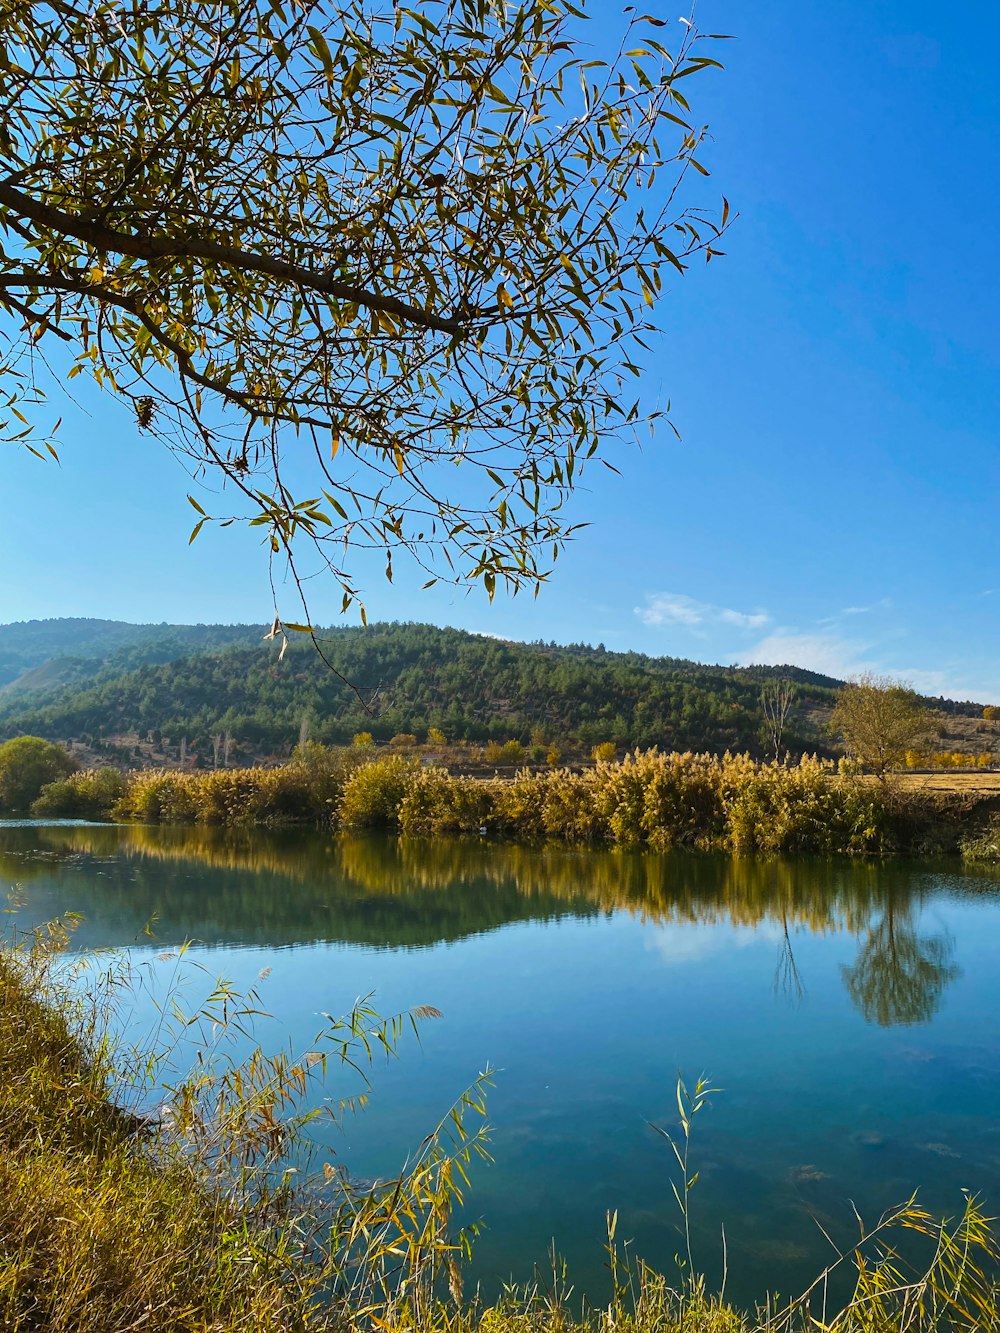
(879, 719)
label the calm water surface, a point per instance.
(851, 1013)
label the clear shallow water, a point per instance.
(851, 1013)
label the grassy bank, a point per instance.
(97, 1233)
(189, 1227)
(730, 803)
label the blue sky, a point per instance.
(833, 501)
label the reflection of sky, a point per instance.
(695, 943)
(588, 1022)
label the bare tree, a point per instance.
(304, 727)
(776, 698)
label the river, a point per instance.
(849, 1013)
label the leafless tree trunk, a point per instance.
(775, 702)
(304, 733)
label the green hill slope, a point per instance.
(411, 676)
(78, 646)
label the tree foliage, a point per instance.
(27, 764)
(324, 250)
(880, 719)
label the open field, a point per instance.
(953, 780)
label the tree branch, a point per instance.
(176, 247)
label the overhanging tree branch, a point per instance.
(169, 247)
(428, 241)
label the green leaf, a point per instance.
(320, 45)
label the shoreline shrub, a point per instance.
(27, 764)
(373, 792)
(650, 799)
(90, 794)
(437, 802)
(983, 847)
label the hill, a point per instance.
(163, 685)
(75, 647)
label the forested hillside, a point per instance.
(412, 677)
(74, 647)
(409, 677)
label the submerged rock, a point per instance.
(869, 1138)
(808, 1174)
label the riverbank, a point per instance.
(704, 802)
(104, 1228)
(96, 1233)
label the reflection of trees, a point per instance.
(252, 886)
(283, 886)
(899, 976)
(787, 981)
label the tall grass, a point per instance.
(112, 1221)
(108, 1224)
(729, 802)
(304, 791)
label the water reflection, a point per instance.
(787, 978)
(900, 975)
(243, 887)
(849, 1009)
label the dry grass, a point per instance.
(950, 780)
(95, 1235)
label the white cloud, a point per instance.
(827, 653)
(844, 658)
(675, 608)
(844, 645)
(883, 604)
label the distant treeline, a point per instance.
(78, 643)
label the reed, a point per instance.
(648, 799)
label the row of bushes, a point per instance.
(304, 791)
(659, 800)
(950, 759)
(654, 799)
